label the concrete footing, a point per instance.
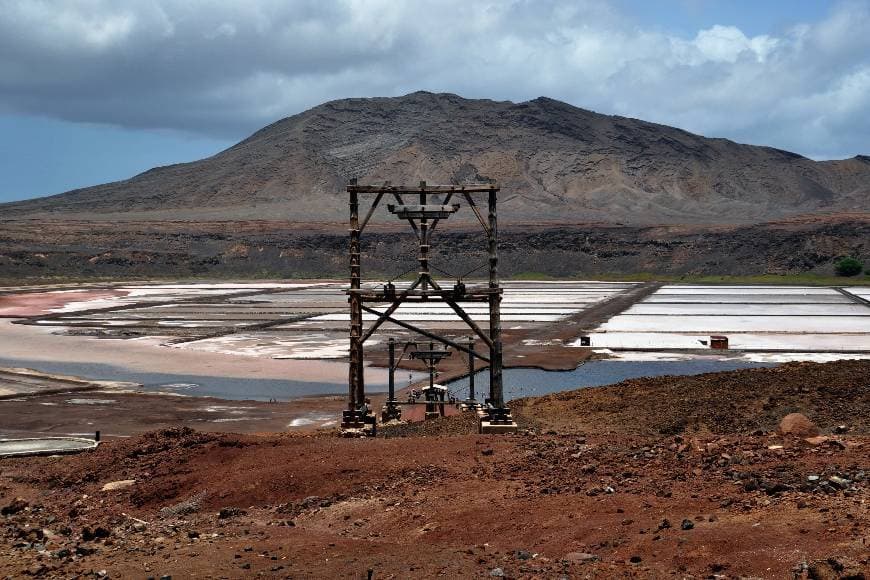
(361, 423)
(391, 413)
(469, 405)
(495, 422)
(485, 427)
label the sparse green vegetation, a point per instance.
(848, 267)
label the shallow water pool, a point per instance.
(232, 388)
(527, 382)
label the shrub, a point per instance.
(848, 267)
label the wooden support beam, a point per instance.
(426, 333)
(423, 212)
(477, 213)
(435, 222)
(370, 212)
(398, 198)
(393, 307)
(467, 319)
(472, 188)
(470, 292)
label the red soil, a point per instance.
(433, 499)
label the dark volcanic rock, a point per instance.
(280, 249)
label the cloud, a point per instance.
(225, 68)
(728, 44)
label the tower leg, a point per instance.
(471, 402)
(391, 410)
(357, 419)
(497, 418)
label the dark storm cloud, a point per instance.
(227, 68)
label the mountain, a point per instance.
(554, 162)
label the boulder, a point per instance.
(798, 425)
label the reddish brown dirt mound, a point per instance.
(730, 402)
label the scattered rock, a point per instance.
(37, 570)
(836, 568)
(798, 425)
(230, 512)
(16, 506)
(121, 484)
(687, 524)
(497, 572)
(185, 507)
(836, 444)
(665, 524)
(774, 487)
(580, 557)
(89, 535)
(311, 501)
(840, 482)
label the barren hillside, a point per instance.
(554, 162)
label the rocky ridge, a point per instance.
(554, 162)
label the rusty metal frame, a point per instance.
(424, 287)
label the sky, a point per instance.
(93, 91)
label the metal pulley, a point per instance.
(390, 291)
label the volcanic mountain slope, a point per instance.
(553, 161)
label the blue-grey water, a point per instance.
(518, 382)
(193, 385)
(527, 382)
